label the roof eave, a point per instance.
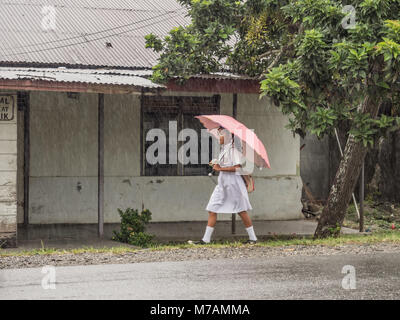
(54, 86)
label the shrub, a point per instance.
(133, 227)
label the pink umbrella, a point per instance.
(249, 139)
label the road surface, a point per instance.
(374, 276)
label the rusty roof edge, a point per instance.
(59, 86)
(62, 74)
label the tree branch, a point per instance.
(276, 60)
(280, 54)
(265, 54)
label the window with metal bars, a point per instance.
(160, 112)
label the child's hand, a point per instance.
(213, 162)
(217, 167)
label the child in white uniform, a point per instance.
(230, 195)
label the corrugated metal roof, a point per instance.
(82, 29)
(87, 76)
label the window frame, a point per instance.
(181, 105)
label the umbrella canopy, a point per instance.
(249, 139)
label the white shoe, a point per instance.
(197, 242)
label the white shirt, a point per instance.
(230, 156)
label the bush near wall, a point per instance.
(133, 227)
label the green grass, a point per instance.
(51, 251)
(379, 237)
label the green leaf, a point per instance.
(383, 85)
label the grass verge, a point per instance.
(374, 238)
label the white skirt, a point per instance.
(230, 195)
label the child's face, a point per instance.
(221, 136)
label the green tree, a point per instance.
(321, 67)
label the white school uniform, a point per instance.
(230, 195)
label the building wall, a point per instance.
(278, 190)
(63, 182)
(8, 175)
(63, 163)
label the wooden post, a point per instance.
(234, 113)
(362, 198)
(142, 142)
(24, 100)
(101, 166)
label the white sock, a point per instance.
(207, 234)
(251, 233)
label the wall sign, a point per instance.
(7, 107)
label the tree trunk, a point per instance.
(333, 214)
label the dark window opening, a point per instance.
(157, 113)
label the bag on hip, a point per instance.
(249, 182)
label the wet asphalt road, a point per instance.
(377, 276)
